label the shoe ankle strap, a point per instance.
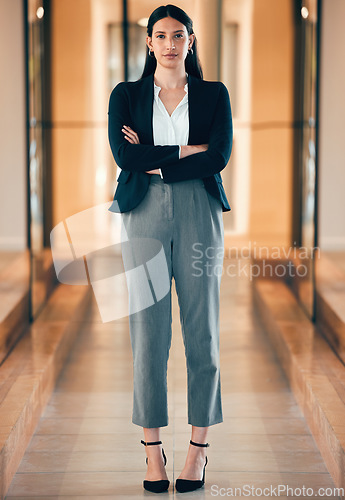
(199, 444)
(150, 443)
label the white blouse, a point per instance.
(170, 130)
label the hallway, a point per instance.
(86, 446)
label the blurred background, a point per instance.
(280, 62)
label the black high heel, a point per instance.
(184, 485)
(160, 485)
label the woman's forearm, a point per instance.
(191, 150)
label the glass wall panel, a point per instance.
(37, 165)
(304, 283)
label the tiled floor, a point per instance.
(86, 446)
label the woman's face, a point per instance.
(170, 42)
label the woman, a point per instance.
(171, 134)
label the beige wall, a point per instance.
(71, 108)
(272, 115)
(236, 71)
(332, 129)
(12, 127)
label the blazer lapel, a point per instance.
(200, 102)
(192, 108)
(145, 109)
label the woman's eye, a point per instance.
(179, 35)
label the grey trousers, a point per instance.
(188, 223)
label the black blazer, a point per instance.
(210, 121)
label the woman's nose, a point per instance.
(171, 44)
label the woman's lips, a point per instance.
(170, 56)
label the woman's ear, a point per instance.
(149, 42)
(191, 38)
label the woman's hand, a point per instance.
(133, 138)
(156, 171)
(191, 150)
(130, 135)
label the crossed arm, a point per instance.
(195, 161)
(132, 138)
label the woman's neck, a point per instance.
(170, 78)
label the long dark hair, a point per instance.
(192, 62)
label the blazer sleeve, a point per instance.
(215, 159)
(133, 157)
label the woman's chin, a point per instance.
(170, 63)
